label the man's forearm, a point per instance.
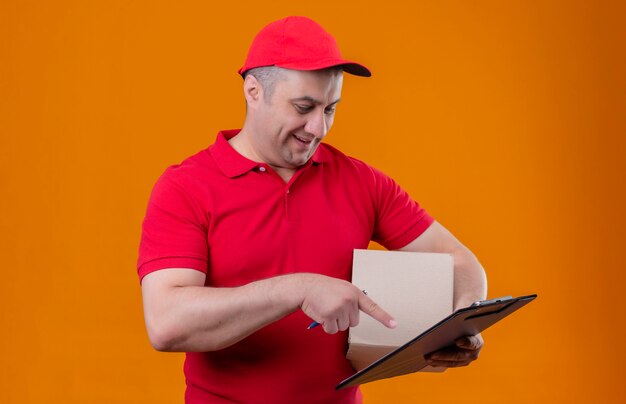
(184, 315)
(470, 281)
(198, 318)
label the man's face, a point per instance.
(290, 125)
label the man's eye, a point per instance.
(329, 111)
(303, 109)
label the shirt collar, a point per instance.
(233, 164)
(320, 155)
(228, 159)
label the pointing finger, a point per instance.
(369, 307)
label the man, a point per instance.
(247, 242)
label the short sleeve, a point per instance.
(174, 230)
(399, 218)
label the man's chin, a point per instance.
(299, 159)
(297, 163)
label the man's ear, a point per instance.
(252, 90)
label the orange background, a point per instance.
(506, 120)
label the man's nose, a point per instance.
(316, 125)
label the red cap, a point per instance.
(298, 43)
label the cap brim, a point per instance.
(356, 69)
(346, 65)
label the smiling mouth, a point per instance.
(302, 140)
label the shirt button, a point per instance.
(262, 169)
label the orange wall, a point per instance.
(506, 120)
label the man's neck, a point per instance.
(242, 145)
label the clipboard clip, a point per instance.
(492, 301)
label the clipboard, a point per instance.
(409, 358)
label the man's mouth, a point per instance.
(302, 140)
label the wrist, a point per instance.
(289, 291)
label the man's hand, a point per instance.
(336, 304)
(463, 353)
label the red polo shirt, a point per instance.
(238, 221)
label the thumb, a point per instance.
(369, 307)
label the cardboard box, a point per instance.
(416, 288)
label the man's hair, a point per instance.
(267, 76)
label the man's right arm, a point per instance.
(183, 315)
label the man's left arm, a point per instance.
(470, 285)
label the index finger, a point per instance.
(372, 309)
